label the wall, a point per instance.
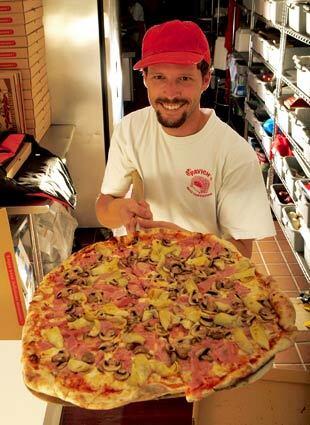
(73, 65)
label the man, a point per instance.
(198, 174)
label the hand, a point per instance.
(150, 224)
(130, 211)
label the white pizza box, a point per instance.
(12, 304)
(11, 7)
(33, 112)
(9, 30)
(25, 63)
(39, 131)
(281, 396)
(21, 41)
(31, 83)
(32, 92)
(31, 72)
(18, 405)
(20, 18)
(40, 117)
(35, 100)
(22, 52)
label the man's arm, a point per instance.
(245, 246)
(115, 212)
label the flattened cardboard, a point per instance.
(9, 7)
(36, 121)
(31, 72)
(9, 30)
(22, 52)
(33, 112)
(21, 18)
(22, 41)
(12, 304)
(20, 157)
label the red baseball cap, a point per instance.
(179, 42)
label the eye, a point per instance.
(158, 77)
(185, 78)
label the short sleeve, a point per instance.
(117, 178)
(243, 206)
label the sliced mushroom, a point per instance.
(88, 357)
(141, 349)
(110, 365)
(217, 333)
(160, 330)
(206, 320)
(108, 346)
(34, 358)
(198, 330)
(194, 298)
(121, 375)
(109, 335)
(182, 350)
(176, 268)
(204, 354)
(267, 314)
(61, 359)
(94, 297)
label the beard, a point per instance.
(168, 122)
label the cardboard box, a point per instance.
(21, 18)
(9, 7)
(31, 72)
(29, 94)
(41, 129)
(279, 397)
(33, 112)
(36, 121)
(9, 30)
(22, 52)
(30, 83)
(18, 160)
(34, 102)
(11, 63)
(21, 41)
(12, 304)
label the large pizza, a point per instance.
(160, 313)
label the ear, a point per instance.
(144, 75)
(206, 80)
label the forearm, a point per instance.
(245, 246)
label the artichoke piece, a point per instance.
(163, 370)
(104, 250)
(259, 335)
(112, 310)
(192, 313)
(222, 306)
(224, 319)
(198, 261)
(95, 329)
(78, 366)
(165, 318)
(53, 335)
(242, 341)
(252, 304)
(78, 296)
(78, 323)
(133, 337)
(250, 272)
(219, 264)
(191, 286)
(107, 267)
(141, 370)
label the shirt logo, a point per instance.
(200, 181)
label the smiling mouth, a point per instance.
(171, 106)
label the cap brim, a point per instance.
(182, 58)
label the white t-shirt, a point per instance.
(206, 182)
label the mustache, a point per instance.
(171, 101)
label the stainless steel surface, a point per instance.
(37, 262)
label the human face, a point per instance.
(174, 92)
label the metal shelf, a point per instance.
(297, 149)
(299, 92)
(267, 64)
(269, 23)
(271, 114)
(301, 37)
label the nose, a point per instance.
(172, 89)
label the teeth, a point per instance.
(171, 107)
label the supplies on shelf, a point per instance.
(280, 198)
(292, 172)
(303, 199)
(307, 12)
(302, 64)
(292, 225)
(296, 16)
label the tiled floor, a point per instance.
(273, 256)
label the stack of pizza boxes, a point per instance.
(22, 49)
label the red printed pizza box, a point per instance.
(20, 18)
(33, 103)
(30, 83)
(31, 93)
(35, 121)
(31, 72)
(22, 52)
(10, 30)
(6, 63)
(9, 7)
(33, 112)
(21, 41)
